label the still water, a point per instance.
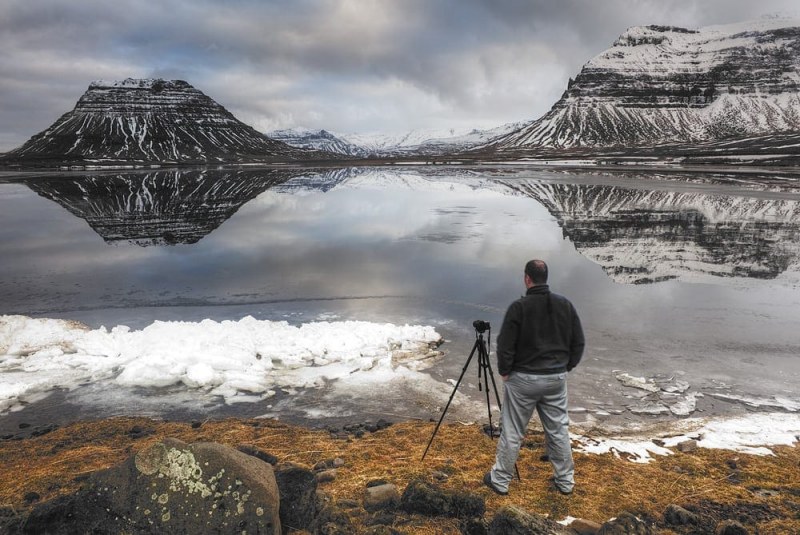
(687, 282)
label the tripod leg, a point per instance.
(444, 412)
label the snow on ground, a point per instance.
(238, 360)
(748, 434)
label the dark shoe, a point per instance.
(487, 480)
(561, 491)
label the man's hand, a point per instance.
(504, 378)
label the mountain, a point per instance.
(148, 121)
(319, 140)
(415, 142)
(165, 207)
(663, 84)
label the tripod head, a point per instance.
(481, 326)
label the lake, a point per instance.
(688, 285)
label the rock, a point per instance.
(326, 476)
(298, 491)
(440, 476)
(512, 520)
(381, 530)
(329, 463)
(381, 498)
(687, 446)
(331, 521)
(473, 526)
(137, 432)
(31, 497)
(675, 515)
(376, 483)
(425, 499)
(10, 520)
(626, 524)
(584, 527)
(381, 518)
(169, 487)
(258, 454)
(43, 430)
(731, 527)
(348, 503)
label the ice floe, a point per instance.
(241, 360)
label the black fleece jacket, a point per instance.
(541, 334)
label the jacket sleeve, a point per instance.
(577, 343)
(507, 339)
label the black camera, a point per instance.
(481, 326)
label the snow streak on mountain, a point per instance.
(660, 84)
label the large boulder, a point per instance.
(170, 487)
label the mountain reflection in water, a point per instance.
(638, 236)
(161, 207)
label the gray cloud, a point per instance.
(346, 65)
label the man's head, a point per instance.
(535, 273)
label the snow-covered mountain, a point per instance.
(422, 142)
(165, 121)
(320, 140)
(661, 84)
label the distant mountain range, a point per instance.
(415, 142)
(717, 94)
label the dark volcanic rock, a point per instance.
(151, 121)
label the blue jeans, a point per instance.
(547, 394)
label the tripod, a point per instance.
(485, 373)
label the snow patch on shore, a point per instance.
(241, 360)
(748, 434)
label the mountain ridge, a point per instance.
(662, 84)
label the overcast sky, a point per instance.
(343, 65)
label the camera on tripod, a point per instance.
(481, 326)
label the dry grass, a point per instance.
(722, 483)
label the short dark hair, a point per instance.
(537, 271)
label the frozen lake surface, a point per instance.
(687, 286)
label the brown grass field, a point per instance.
(762, 492)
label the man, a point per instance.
(540, 341)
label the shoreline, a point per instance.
(702, 479)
